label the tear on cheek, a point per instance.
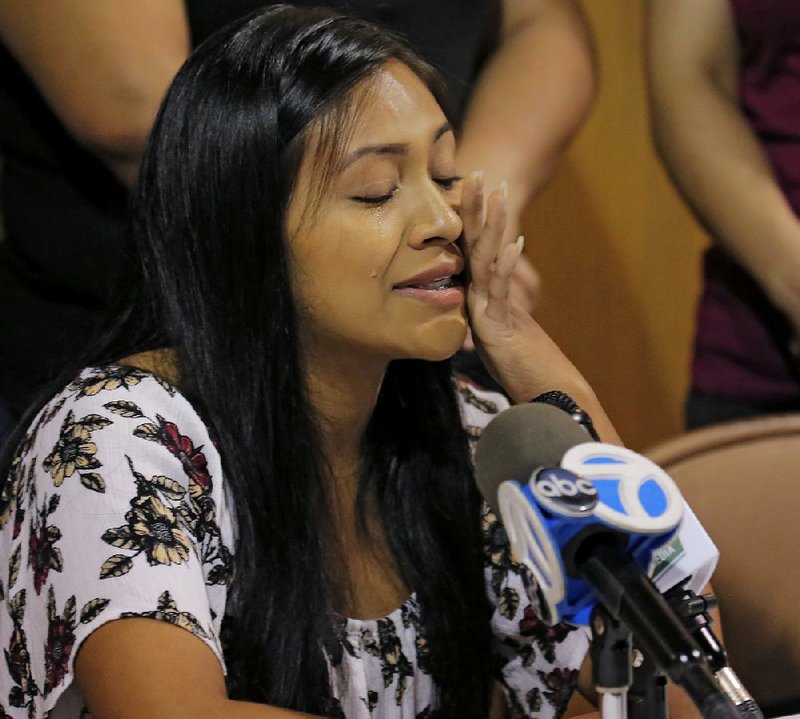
(373, 274)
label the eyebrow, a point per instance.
(393, 148)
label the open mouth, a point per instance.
(446, 291)
(443, 283)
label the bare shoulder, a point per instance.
(160, 362)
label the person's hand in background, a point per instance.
(530, 99)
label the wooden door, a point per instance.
(618, 252)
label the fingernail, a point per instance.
(504, 190)
(479, 180)
(520, 243)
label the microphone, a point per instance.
(585, 518)
(605, 485)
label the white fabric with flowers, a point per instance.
(115, 507)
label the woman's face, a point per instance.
(375, 262)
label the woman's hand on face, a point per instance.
(511, 344)
(524, 291)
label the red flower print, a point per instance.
(193, 460)
(530, 624)
(546, 637)
(60, 640)
(43, 555)
(19, 516)
(560, 683)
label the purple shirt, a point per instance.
(741, 341)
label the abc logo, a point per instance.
(563, 491)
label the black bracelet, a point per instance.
(563, 401)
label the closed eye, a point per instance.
(375, 199)
(448, 182)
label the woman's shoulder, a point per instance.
(107, 383)
(112, 411)
(113, 507)
(98, 393)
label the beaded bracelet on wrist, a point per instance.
(563, 401)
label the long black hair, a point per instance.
(209, 226)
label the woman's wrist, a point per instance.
(571, 383)
(583, 396)
(566, 403)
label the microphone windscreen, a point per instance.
(520, 440)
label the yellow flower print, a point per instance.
(155, 527)
(74, 450)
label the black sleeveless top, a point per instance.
(64, 212)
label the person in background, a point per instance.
(79, 86)
(725, 90)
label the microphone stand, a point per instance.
(629, 683)
(647, 698)
(640, 693)
(629, 596)
(611, 652)
(693, 611)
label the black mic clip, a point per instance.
(629, 596)
(693, 610)
(612, 661)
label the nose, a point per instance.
(436, 221)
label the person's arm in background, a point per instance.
(530, 99)
(710, 150)
(102, 67)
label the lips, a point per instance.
(436, 278)
(440, 286)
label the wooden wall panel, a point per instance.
(618, 252)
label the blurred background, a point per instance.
(618, 252)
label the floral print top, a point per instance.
(116, 507)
